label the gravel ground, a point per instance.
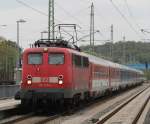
(90, 114)
(129, 112)
(147, 119)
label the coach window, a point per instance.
(56, 58)
(35, 58)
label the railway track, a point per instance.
(93, 113)
(58, 118)
(33, 119)
(121, 113)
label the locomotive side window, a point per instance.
(77, 60)
(85, 62)
(80, 61)
(56, 58)
(35, 58)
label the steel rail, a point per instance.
(51, 118)
(111, 114)
(19, 119)
(141, 111)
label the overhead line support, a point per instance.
(92, 27)
(51, 21)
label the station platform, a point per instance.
(6, 104)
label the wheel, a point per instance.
(24, 102)
(25, 105)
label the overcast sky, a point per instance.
(136, 15)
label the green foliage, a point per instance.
(123, 52)
(147, 74)
(8, 57)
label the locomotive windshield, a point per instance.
(56, 58)
(35, 58)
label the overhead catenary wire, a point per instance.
(131, 15)
(69, 14)
(72, 16)
(24, 3)
(34, 9)
(124, 17)
(129, 10)
(81, 10)
(98, 14)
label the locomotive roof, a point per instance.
(93, 59)
(40, 49)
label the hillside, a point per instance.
(123, 52)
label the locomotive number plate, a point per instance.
(49, 79)
(44, 79)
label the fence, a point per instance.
(8, 91)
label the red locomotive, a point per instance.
(55, 72)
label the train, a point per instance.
(58, 71)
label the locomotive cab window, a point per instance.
(35, 58)
(80, 61)
(56, 58)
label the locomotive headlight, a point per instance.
(45, 49)
(29, 79)
(60, 77)
(60, 82)
(29, 82)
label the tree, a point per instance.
(8, 57)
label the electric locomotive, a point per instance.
(59, 71)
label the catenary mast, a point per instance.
(112, 42)
(92, 28)
(51, 21)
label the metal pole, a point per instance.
(18, 56)
(49, 21)
(53, 26)
(124, 50)
(92, 27)
(112, 40)
(18, 48)
(18, 33)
